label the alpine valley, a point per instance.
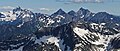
(82, 30)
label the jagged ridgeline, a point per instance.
(82, 30)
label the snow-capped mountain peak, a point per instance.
(59, 12)
(17, 13)
(83, 10)
(17, 9)
(7, 16)
(72, 13)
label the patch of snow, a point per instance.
(58, 21)
(103, 40)
(16, 45)
(9, 16)
(60, 17)
(41, 19)
(117, 24)
(18, 12)
(19, 49)
(106, 30)
(103, 23)
(96, 43)
(50, 21)
(68, 48)
(47, 39)
(62, 46)
(42, 39)
(20, 25)
(82, 16)
(31, 15)
(111, 18)
(77, 45)
(53, 40)
(93, 15)
(94, 24)
(80, 31)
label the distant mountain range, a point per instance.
(82, 30)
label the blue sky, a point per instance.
(50, 6)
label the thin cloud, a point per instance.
(7, 7)
(84, 1)
(30, 9)
(45, 9)
(81, 1)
